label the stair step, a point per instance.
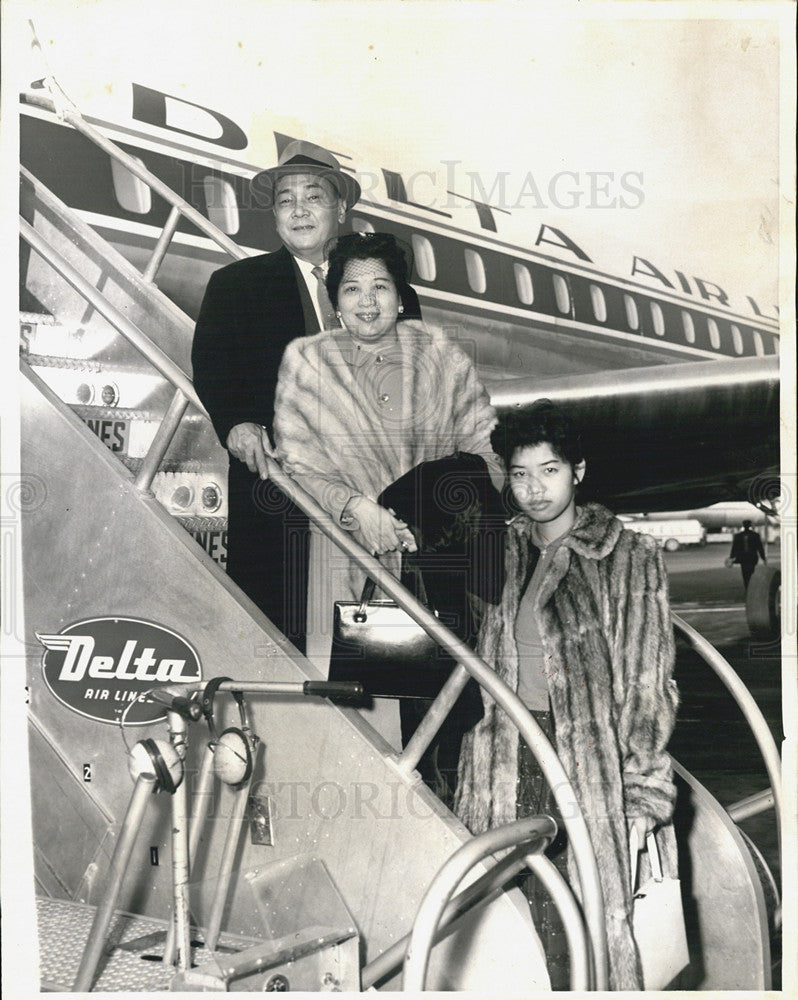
(202, 523)
(89, 412)
(188, 466)
(88, 365)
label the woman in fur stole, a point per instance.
(583, 634)
(359, 406)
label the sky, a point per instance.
(673, 109)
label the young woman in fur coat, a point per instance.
(358, 407)
(583, 634)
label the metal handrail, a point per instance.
(751, 805)
(157, 358)
(484, 890)
(173, 373)
(748, 706)
(76, 120)
(534, 832)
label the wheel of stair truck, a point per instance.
(763, 602)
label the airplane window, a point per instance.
(131, 192)
(714, 333)
(599, 304)
(632, 317)
(561, 293)
(737, 339)
(424, 257)
(658, 319)
(361, 225)
(689, 327)
(523, 284)
(221, 203)
(475, 268)
(759, 344)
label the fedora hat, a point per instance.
(302, 157)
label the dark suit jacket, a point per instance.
(251, 310)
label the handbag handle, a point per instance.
(367, 594)
(653, 856)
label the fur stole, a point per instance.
(329, 426)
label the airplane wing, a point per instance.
(672, 436)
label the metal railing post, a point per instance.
(237, 814)
(434, 718)
(751, 805)
(160, 248)
(160, 443)
(198, 817)
(95, 945)
(180, 853)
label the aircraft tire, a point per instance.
(763, 603)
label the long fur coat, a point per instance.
(604, 618)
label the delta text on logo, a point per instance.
(102, 667)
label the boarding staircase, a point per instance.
(127, 459)
(68, 338)
(112, 424)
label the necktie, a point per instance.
(328, 316)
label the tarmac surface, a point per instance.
(712, 739)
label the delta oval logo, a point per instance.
(103, 668)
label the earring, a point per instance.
(401, 309)
(338, 315)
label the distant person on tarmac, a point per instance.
(747, 549)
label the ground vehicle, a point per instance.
(671, 535)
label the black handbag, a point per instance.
(380, 645)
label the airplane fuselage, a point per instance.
(522, 311)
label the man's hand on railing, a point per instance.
(250, 444)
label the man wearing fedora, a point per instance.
(251, 310)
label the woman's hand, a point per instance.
(378, 529)
(642, 825)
